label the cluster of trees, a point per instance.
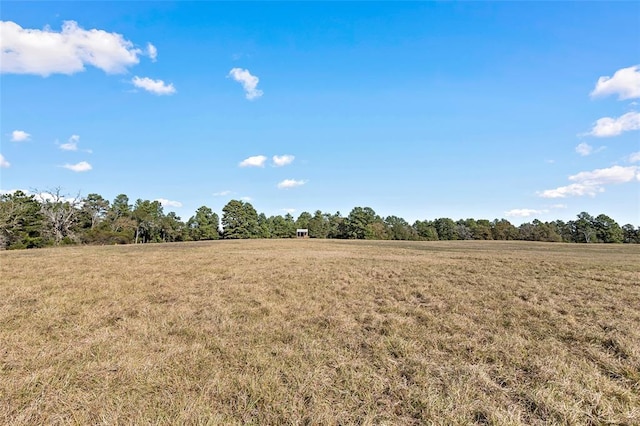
(28, 221)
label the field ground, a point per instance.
(321, 332)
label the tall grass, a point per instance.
(321, 332)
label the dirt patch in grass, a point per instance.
(321, 332)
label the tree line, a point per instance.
(50, 218)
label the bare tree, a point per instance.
(61, 213)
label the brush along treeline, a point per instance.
(51, 218)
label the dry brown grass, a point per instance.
(321, 332)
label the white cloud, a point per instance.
(39, 196)
(157, 87)
(607, 126)
(575, 189)
(3, 162)
(615, 174)
(249, 82)
(290, 211)
(524, 212)
(584, 149)
(43, 196)
(222, 193)
(168, 203)
(52, 197)
(152, 51)
(559, 206)
(20, 136)
(13, 191)
(282, 160)
(634, 157)
(593, 182)
(246, 198)
(255, 161)
(625, 83)
(290, 183)
(72, 144)
(82, 166)
(45, 52)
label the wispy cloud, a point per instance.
(282, 160)
(574, 189)
(3, 162)
(290, 211)
(52, 197)
(607, 126)
(157, 87)
(584, 149)
(249, 82)
(625, 83)
(222, 193)
(20, 136)
(152, 52)
(45, 52)
(291, 183)
(615, 174)
(524, 212)
(593, 182)
(168, 203)
(246, 198)
(634, 157)
(255, 161)
(82, 166)
(71, 144)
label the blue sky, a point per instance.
(515, 110)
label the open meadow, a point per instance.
(321, 332)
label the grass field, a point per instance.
(321, 332)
